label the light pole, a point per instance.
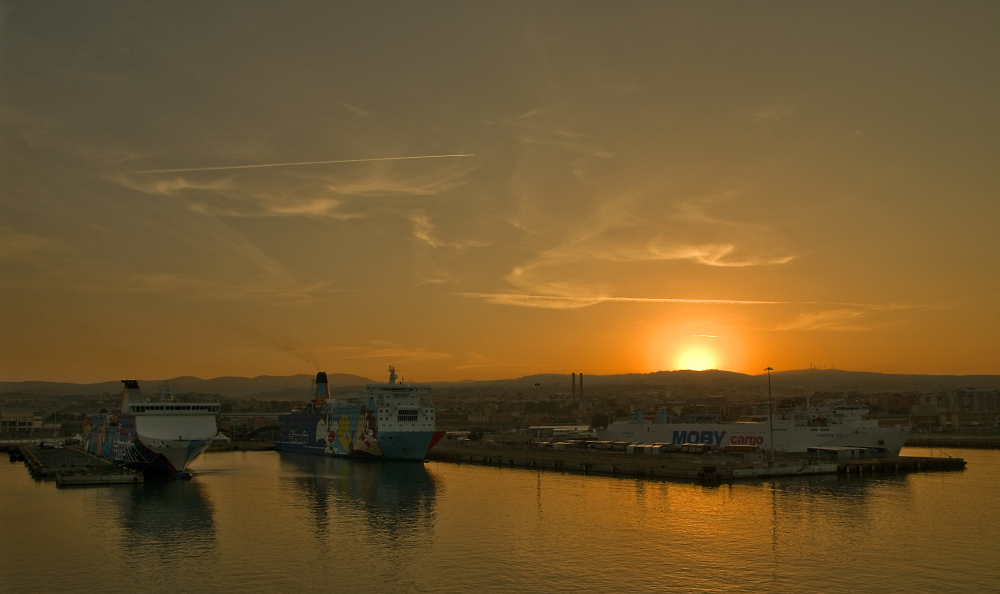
(770, 413)
(538, 414)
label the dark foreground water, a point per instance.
(255, 522)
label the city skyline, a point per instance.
(477, 191)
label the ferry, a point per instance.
(391, 421)
(163, 436)
(787, 430)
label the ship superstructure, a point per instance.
(159, 436)
(391, 420)
(790, 430)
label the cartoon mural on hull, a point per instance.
(361, 439)
(113, 437)
(350, 425)
(366, 435)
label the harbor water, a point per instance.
(262, 522)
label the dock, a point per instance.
(699, 467)
(71, 466)
(981, 441)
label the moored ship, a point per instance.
(790, 430)
(393, 421)
(163, 436)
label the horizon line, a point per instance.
(516, 378)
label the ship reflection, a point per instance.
(393, 497)
(166, 517)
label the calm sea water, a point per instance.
(255, 522)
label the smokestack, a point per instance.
(322, 387)
(573, 391)
(581, 385)
(131, 393)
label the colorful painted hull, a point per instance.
(352, 431)
(148, 444)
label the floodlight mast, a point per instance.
(770, 413)
(538, 415)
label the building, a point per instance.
(20, 422)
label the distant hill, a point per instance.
(269, 387)
(814, 380)
(836, 380)
(264, 385)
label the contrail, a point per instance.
(302, 163)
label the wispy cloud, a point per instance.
(425, 231)
(319, 207)
(302, 163)
(14, 244)
(563, 271)
(838, 320)
(355, 109)
(341, 196)
(379, 349)
(713, 255)
(769, 114)
(189, 288)
(565, 302)
(173, 185)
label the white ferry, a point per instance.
(789, 430)
(161, 436)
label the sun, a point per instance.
(697, 358)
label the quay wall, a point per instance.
(680, 466)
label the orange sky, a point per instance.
(634, 188)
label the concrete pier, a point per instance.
(702, 467)
(982, 441)
(70, 466)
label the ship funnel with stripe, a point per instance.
(322, 387)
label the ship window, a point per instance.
(407, 415)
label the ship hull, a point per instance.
(351, 432)
(155, 445)
(785, 439)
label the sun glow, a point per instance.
(697, 358)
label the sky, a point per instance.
(487, 190)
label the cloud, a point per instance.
(286, 193)
(301, 163)
(714, 255)
(379, 349)
(837, 320)
(576, 269)
(185, 287)
(355, 109)
(566, 302)
(583, 216)
(173, 185)
(769, 114)
(320, 207)
(424, 230)
(14, 244)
